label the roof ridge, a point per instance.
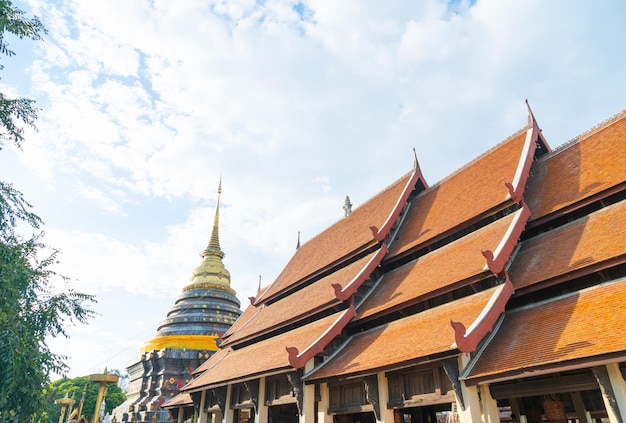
(480, 156)
(583, 136)
(369, 199)
(602, 125)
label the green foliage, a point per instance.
(29, 312)
(16, 110)
(31, 306)
(73, 388)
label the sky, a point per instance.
(295, 105)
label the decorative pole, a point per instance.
(103, 379)
(64, 402)
(80, 404)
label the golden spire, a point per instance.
(214, 243)
(211, 272)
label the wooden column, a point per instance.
(472, 412)
(308, 397)
(489, 406)
(228, 410)
(619, 388)
(202, 415)
(322, 407)
(613, 391)
(579, 407)
(386, 414)
(261, 415)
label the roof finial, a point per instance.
(415, 163)
(347, 207)
(259, 288)
(531, 117)
(298, 244)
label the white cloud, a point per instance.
(296, 105)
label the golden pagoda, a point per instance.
(187, 337)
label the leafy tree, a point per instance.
(30, 308)
(14, 21)
(74, 388)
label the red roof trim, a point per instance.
(498, 259)
(298, 360)
(343, 294)
(517, 187)
(380, 234)
(467, 340)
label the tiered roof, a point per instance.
(425, 278)
(429, 270)
(416, 339)
(586, 244)
(568, 331)
(560, 333)
(232, 365)
(575, 174)
(347, 237)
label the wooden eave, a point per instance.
(548, 369)
(424, 335)
(244, 319)
(411, 184)
(299, 359)
(183, 399)
(261, 358)
(498, 258)
(424, 279)
(574, 207)
(211, 362)
(440, 211)
(399, 307)
(572, 275)
(450, 234)
(315, 276)
(343, 293)
(307, 301)
(468, 339)
(566, 332)
(425, 361)
(349, 236)
(580, 247)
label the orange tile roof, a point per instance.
(582, 325)
(436, 272)
(464, 195)
(344, 237)
(247, 314)
(579, 169)
(179, 400)
(210, 362)
(301, 302)
(229, 364)
(404, 340)
(584, 242)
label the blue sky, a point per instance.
(295, 104)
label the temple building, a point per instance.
(206, 308)
(497, 294)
